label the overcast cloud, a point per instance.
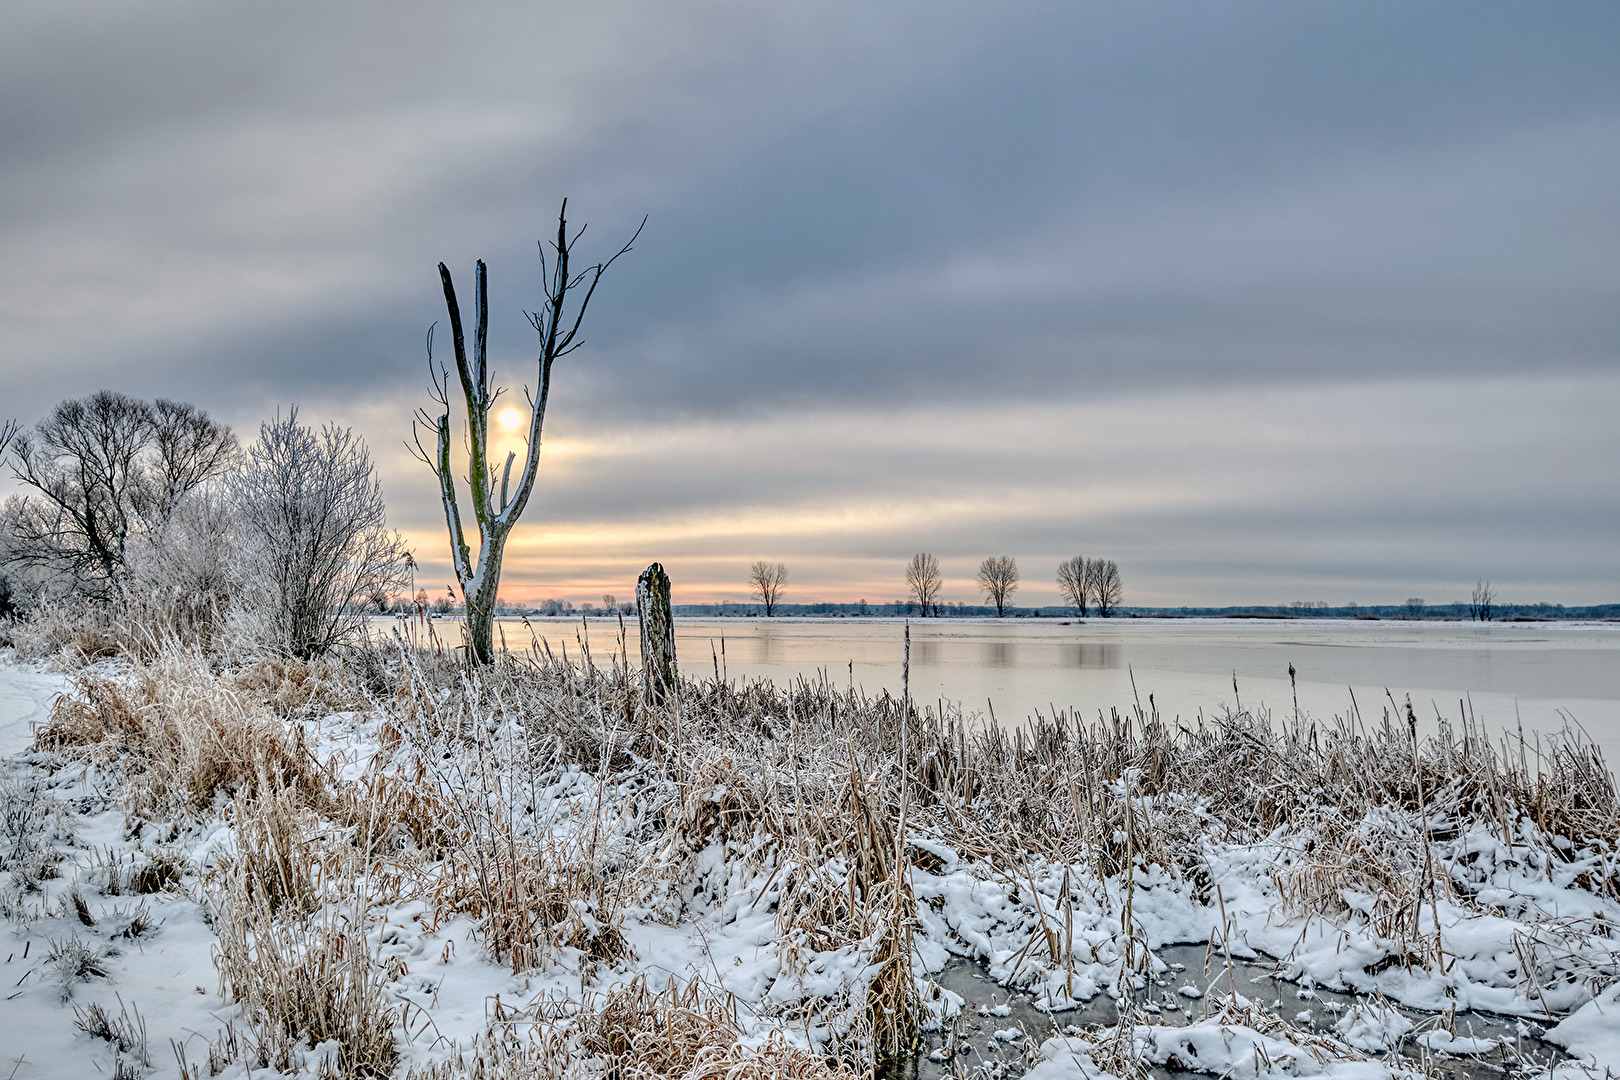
(1268, 302)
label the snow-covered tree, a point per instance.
(315, 547)
(101, 471)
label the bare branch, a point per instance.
(104, 469)
(998, 577)
(768, 579)
(480, 579)
(1074, 583)
(922, 578)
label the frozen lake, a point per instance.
(1535, 672)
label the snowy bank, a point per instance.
(393, 866)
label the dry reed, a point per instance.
(543, 795)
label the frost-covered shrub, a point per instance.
(29, 819)
(180, 585)
(314, 546)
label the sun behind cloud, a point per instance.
(510, 419)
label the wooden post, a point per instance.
(657, 635)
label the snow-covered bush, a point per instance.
(181, 581)
(314, 546)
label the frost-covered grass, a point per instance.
(392, 865)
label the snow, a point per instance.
(1592, 1034)
(1441, 1041)
(1210, 1047)
(718, 928)
(164, 976)
(26, 691)
(1373, 1026)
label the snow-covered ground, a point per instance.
(26, 691)
(92, 945)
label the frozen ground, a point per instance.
(1080, 972)
(25, 695)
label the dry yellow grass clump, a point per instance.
(304, 980)
(181, 735)
(633, 1033)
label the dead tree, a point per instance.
(1073, 583)
(657, 635)
(1484, 599)
(998, 578)
(497, 505)
(768, 579)
(922, 578)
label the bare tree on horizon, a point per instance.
(496, 508)
(922, 578)
(1108, 588)
(998, 577)
(1074, 583)
(1482, 601)
(768, 579)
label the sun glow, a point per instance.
(510, 419)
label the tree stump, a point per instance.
(657, 635)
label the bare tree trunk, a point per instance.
(496, 501)
(480, 603)
(657, 635)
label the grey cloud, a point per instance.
(809, 171)
(1362, 491)
(892, 213)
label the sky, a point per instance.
(1267, 302)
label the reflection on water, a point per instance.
(999, 654)
(1091, 656)
(926, 653)
(767, 646)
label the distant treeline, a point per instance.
(1440, 612)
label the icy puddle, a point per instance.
(999, 1032)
